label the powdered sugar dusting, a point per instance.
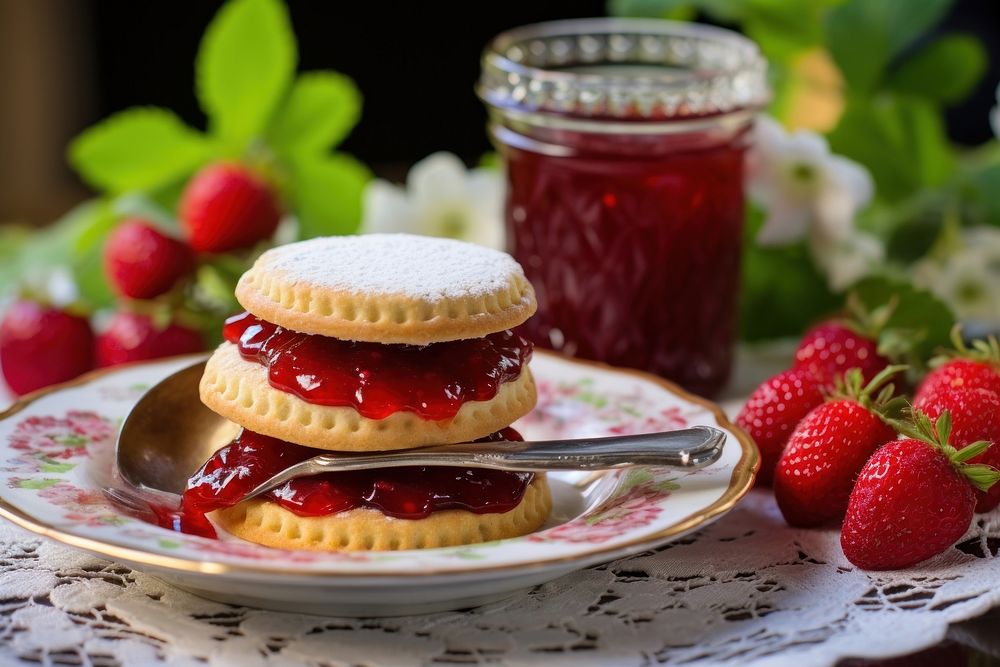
(418, 267)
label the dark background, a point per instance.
(65, 64)
(415, 62)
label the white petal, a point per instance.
(854, 178)
(786, 223)
(995, 120)
(386, 209)
(769, 136)
(807, 146)
(439, 176)
(848, 260)
(486, 189)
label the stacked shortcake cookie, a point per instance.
(372, 343)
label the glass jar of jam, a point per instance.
(624, 143)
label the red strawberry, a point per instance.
(142, 263)
(826, 450)
(975, 367)
(831, 348)
(135, 337)
(914, 498)
(41, 345)
(975, 415)
(773, 411)
(226, 207)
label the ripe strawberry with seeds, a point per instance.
(135, 337)
(829, 349)
(914, 498)
(969, 367)
(141, 262)
(41, 345)
(225, 207)
(816, 472)
(975, 415)
(773, 411)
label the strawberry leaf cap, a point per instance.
(984, 350)
(937, 434)
(870, 323)
(878, 396)
(912, 329)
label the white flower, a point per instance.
(805, 189)
(441, 198)
(847, 260)
(968, 279)
(995, 115)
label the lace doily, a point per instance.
(746, 591)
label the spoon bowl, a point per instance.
(169, 434)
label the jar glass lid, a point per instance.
(635, 69)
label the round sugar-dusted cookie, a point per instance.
(388, 288)
(265, 522)
(239, 390)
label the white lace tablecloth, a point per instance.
(746, 591)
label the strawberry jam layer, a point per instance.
(402, 493)
(433, 381)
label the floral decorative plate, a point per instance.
(56, 452)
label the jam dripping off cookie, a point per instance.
(402, 493)
(377, 380)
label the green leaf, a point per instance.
(48, 465)
(901, 140)
(772, 305)
(244, 67)
(37, 484)
(984, 194)
(865, 35)
(327, 192)
(971, 450)
(981, 475)
(919, 317)
(674, 9)
(87, 262)
(320, 111)
(946, 70)
(137, 149)
(13, 239)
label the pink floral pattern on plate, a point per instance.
(42, 451)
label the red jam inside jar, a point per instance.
(624, 145)
(402, 493)
(377, 380)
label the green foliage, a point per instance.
(88, 252)
(900, 139)
(244, 68)
(319, 112)
(138, 149)
(327, 191)
(782, 291)
(258, 113)
(946, 70)
(919, 323)
(865, 36)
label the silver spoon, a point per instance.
(169, 434)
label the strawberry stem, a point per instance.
(869, 323)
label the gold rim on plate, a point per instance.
(740, 483)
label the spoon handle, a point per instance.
(685, 449)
